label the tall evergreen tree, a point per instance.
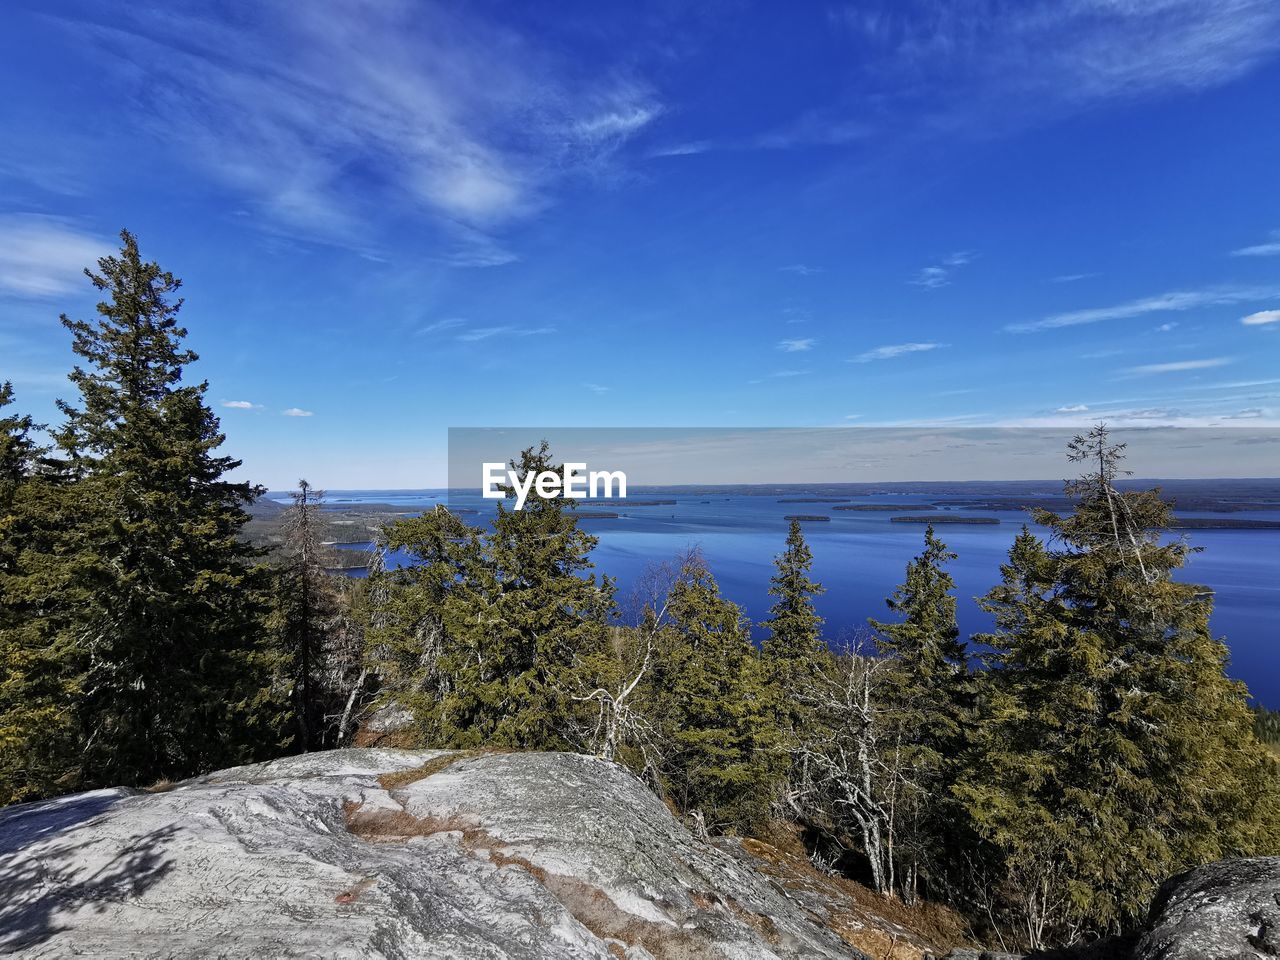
(38, 672)
(1114, 750)
(163, 601)
(503, 621)
(715, 706)
(305, 610)
(925, 691)
(794, 649)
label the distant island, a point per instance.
(806, 517)
(884, 507)
(944, 519)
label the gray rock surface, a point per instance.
(1229, 910)
(481, 856)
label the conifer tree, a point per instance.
(794, 649)
(517, 621)
(716, 707)
(162, 601)
(1113, 750)
(305, 610)
(37, 669)
(924, 691)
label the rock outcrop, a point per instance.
(390, 853)
(1228, 910)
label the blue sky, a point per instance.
(396, 217)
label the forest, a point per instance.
(1040, 779)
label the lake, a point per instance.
(860, 556)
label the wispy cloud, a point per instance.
(1072, 277)
(320, 117)
(1073, 408)
(241, 405)
(1269, 249)
(1022, 58)
(779, 375)
(687, 149)
(813, 128)
(1165, 302)
(297, 412)
(439, 326)
(939, 275)
(595, 388)
(796, 346)
(42, 256)
(895, 350)
(485, 333)
(801, 269)
(1177, 366)
(1261, 318)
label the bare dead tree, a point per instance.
(618, 721)
(848, 774)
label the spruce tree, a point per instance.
(38, 666)
(716, 708)
(794, 649)
(510, 616)
(1114, 750)
(163, 606)
(925, 692)
(304, 611)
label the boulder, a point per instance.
(1229, 910)
(379, 853)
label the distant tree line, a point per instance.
(1042, 778)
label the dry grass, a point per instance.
(161, 786)
(881, 926)
(402, 778)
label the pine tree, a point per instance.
(715, 706)
(510, 619)
(925, 691)
(305, 611)
(38, 672)
(162, 600)
(794, 650)
(1113, 750)
(18, 452)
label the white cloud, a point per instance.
(1261, 317)
(1072, 277)
(895, 350)
(325, 118)
(801, 269)
(42, 256)
(438, 326)
(933, 277)
(1175, 301)
(1166, 327)
(297, 412)
(1178, 366)
(1269, 249)
(485, 333)
(688, 149)
(1016, 59)
(1073, 408)
(241, 405)
(796, 346)
(779, 375)
(595, 388)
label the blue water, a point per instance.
(860, 557)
